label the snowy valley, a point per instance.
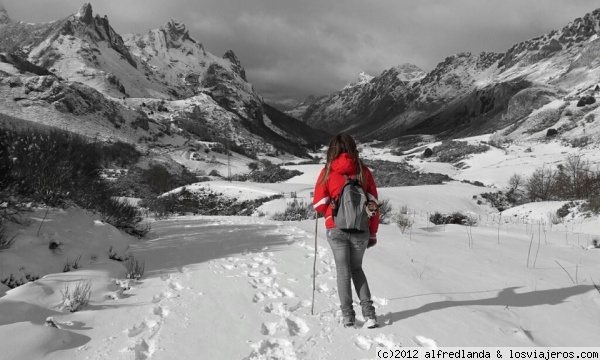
(200, 241)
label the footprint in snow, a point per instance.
(302, 304)
(323, 287)
(162, 296)
(176, 286)
(296, 326)
(279, 309)
(270, 271)
(263, 283)
(273, 349)
(363, 343)
(228, 266)
(268, 328)
(258, 297)
(136, 329)
(381, 340)
(161, 311)
(142, 349)
(425, 342)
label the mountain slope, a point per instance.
(164, 77)
(467, 94)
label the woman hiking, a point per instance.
(348, 247)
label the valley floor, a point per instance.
(241, 288)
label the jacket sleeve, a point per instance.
(371, 190)
(321, 196)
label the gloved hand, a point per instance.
(372, 241)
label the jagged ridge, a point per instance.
(465, 94)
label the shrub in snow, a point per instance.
(590, 118)
(75, 299)
(453, 151)
(113, 255)
(427, 153)
(122, 215)
(296, 211)
(403, 222)
(203, 202)
(135, 268)
(563, 211)
(152, 182)
(13, 281)
(389, 174)
(580, 141)
(454, 218)
(266, 172)
(385, 211)
(72, 265)
(59, 168)
(593, 203)
(551, 132)
(498, 200)
(55, 246)
(554, 218)
(436, 218)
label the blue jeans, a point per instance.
(348, 251)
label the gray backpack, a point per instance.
(349, 214)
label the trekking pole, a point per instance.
(312, 308)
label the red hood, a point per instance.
(343, 164)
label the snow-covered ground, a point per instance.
(241, 287)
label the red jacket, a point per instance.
(327, 193)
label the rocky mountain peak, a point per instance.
(575, 34)
(236, 64)
(409, 72)
(4, 19)
(175, 34)
(176, 27)
(230, 55)
(363, 77)
(586, 26)
(176, 30)
(85, 13)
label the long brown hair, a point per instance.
(339, 144)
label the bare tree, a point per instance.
(516, 181)
(577, 171)
(541, 184)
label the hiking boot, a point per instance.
(371, 322)
(348, 320)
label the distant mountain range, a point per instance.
(468, 94)
(78, 73)
(163, 89)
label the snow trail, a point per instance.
(254, 272)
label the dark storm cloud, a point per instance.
(293, 48)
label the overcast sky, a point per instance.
(294, 48)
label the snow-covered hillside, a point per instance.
(469, 94)
(241, 287)
(159, 91)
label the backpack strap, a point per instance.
(336, 200)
